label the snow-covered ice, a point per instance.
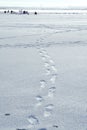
(43, 72)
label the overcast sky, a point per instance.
(43, 3)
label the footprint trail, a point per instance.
(51, 74)
(47, 89)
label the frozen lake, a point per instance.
(43, 72)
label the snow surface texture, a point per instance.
(43, 72)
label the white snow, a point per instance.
(43, 72)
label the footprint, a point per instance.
(33, 120)
(47, 113)
(47, 65)
(40, 52)
(54, 69)
(51, 62)
(53, 79)
(45, 91)
(43, 84)
(48, 110)
(49, 107)
(44, 51)
(39, 100)
(48, 72)
(44, 58)
(47, 56)
(51, 91)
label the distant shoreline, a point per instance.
(44, 8)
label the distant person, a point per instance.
(11, 12)
(8, 11)
(5, 12)
(25, 12)
(35, 13)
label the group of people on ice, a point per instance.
(19, 12)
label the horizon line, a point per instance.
(66, 7)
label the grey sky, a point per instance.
(42, 3)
